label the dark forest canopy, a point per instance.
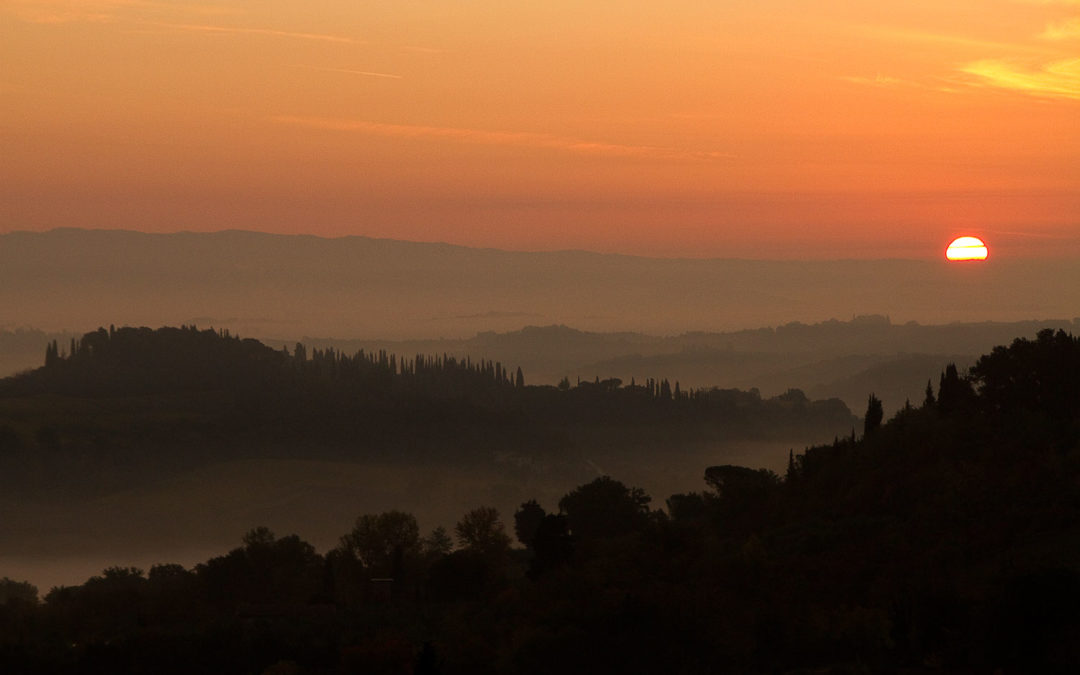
(944, 540)
(185, 386)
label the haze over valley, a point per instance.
(560, 338)
(406, 299)
(291, 286)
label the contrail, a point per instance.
(366, 73)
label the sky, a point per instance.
(757, 128)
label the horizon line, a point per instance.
(125, 230)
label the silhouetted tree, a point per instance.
(874, 414)
(384, 542)
(52, 354)
(553, 545)
(739, 485)
(1041, 375)
(954, 393)
(265, 569)
(18, 591)
(526, 519)
(686, 508)
(480, 531)
(437, 544)
(605, 508)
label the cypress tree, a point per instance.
(874, 414)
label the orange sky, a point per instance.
(756, 128)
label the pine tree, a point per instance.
(874, 414)
(929, 401)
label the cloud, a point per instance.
(365, 73)
(1068, 29)
(135, 12)
(1033, 67)
(1059, 79)
(878, 80)
(905, 35)
(512, 138)
(101, 11)
(1033, 235)
(238, 30)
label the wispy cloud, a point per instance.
(102, 11)
(1058, 79)
(1069, 29)
(347, 71)
(906, 35)
(879, 80)
(1031, 66)
(139, 13)
(240, 30)
(1033, 235)
(512, 138)
(938, 84)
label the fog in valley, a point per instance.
(832, 329)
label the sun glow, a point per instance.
(966, 248)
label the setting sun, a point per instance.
(966, 248)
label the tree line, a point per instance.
(206, 388)
(943, 539)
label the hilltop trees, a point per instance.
(1039, 376)
(605, 508)
(216, 394)
(385, 543)
(17, 591)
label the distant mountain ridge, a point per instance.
(288, 286)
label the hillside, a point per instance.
(943, 540)
(841, 359)
(240, 388)
(128, 428)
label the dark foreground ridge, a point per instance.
(946, 539)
